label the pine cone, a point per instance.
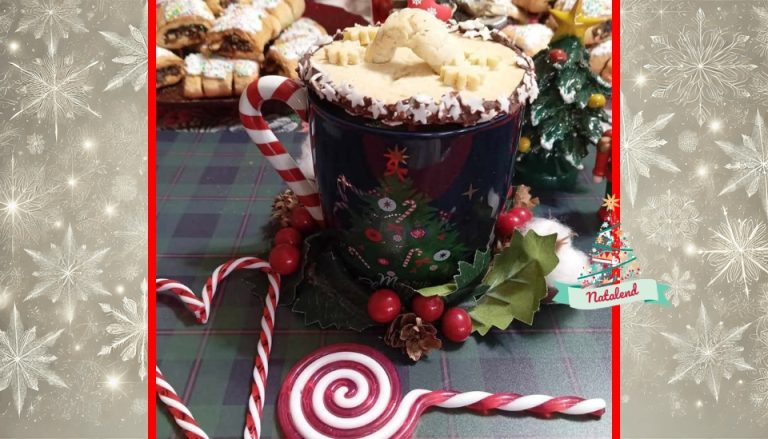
(414, 336)
(282, 207)
(522, 198)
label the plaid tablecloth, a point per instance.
(214, 195)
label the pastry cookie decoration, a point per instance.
(419, 31)
(362, 34)
(483, 59)
(462, 77)
(345, 53)
(418, 70)
(182, 23)
(284, 53)
(170, 68)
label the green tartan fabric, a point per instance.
(214, 196)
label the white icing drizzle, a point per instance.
(174, 9)
(377, 108)
(245, 67)
(217, 68)
(193, 64)
(244, 17)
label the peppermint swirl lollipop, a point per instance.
(352, 391)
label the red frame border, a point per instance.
(151, 226)
(152, 216)
(616, 190)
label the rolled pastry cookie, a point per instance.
(219, 6)
(284, 54)
(217, 78)
(418, 30)
(182, 23)
(241, 32)
(169, 69)
(245, 72)
(600, 60)
(532, 38)
(193, 81)
(284, 11)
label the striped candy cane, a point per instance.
(201, 307)
(295, 95)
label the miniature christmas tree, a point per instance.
(398, 233)
(569, 114)
(613, 260)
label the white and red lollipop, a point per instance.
(346, 391)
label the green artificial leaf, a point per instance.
(439, 290)
(469, 274)
(514, 299)
(516, 282)
(328, 294)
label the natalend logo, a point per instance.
(613, 276)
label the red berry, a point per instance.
(284, 259)
(506, 224)
(288, 235)
(302, 220)
(428, 308)
(383, 306)
(457, 325)
(558, 56)
(607, 133)
(523, 213)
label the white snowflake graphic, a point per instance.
(54, 19)
(7, 15)
(25, 360)
(762, 315)
(640, 148)
(129, 330)
(739, 251)
(749, 163)
(8, 136)
(669, 220)
(708, 352)
(703, 66)
(761, 13)
(53, 88)
(35, 144)
(133, 232)
(69, 272)
(639, 322)
(681, 285)
(25, 196)
(633, 18)
(133, 58)
(759, 395)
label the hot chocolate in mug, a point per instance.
(407, 200)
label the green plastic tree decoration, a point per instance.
(612, 258)
(398, 233)
(569, 114)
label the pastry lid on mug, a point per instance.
(417, 70)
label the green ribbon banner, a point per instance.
(594, 297)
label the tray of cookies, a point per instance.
(208, 51)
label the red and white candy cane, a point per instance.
(201, 307)
(295, 95)
(346, 391)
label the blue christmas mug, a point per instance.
(408, 204)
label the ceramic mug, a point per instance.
(407, 204)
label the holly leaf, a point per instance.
(515, 282)
(470, 273)
(328, 295)
(513, 299)
(468, 276)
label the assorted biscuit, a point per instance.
(228, 42)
